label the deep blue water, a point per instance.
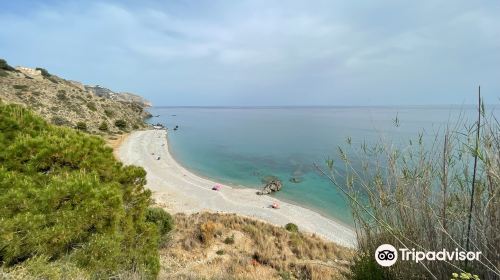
(241, 146)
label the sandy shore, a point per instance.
(179, 190)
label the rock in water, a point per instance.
(296, 180)
(272, 186)
(268, 179)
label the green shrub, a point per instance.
(220, 252)
(47, 75)
(20, 87)
(292, 227)
(81, 126)
(61, 95)
(63, 196)
(109, 113)
(285, 275)
(44, 72)
(365, 267)
(121, 124)
(41, 268)
(5, 66)
(91, 106)
(161, 219)
(59, 121)
(229, 240)
(103, 126)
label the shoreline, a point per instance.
(180, 190)
(239, 186)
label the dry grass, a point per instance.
(418, 196)
(197, 250)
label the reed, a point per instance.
(427, 196)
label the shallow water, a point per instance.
(243, 146)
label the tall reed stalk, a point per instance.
(422, 196)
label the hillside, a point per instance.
(228, 246)
(69, 103)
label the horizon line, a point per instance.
(316, 106)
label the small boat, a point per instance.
(275, 205)
(217, 188)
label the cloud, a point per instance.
(264, 52)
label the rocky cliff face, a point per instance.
(69, 103)
(119, 96)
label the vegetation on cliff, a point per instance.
(67, 207)
(69, 103)
(227, 246)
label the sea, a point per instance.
(245, 146)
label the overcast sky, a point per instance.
(265, 52)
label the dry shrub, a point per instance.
(260, 251)
(207, 232)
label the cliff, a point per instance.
(69, 103)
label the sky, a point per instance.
(264, 52)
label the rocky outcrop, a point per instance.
(130, 97)
(272, 186)
(118, 96)
(100, 91)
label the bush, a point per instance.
(365, 267)
(220, 252)
(109, 113)
(292, 227)
(66, 198)
(207, 232)
(121, 124)
(47, 75)
(44, 72)
(20, 87)
(59, 121)
(91, 106)
(61, 95)
(103, 126)
(81, 126)
(229, 240)
(161, 219)
(5, 66)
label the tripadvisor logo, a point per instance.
(387, 255)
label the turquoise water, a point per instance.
(241, 146)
